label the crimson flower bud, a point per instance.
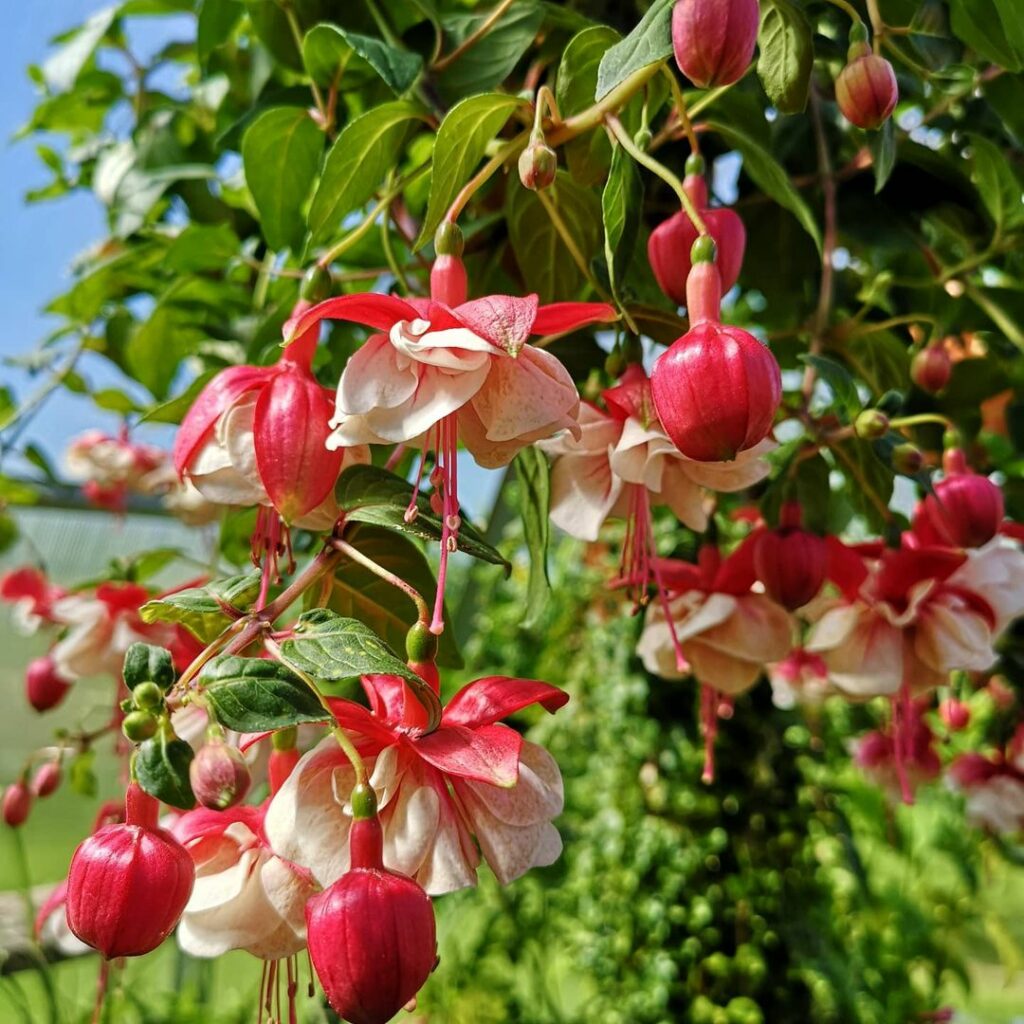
(965, 511)
(791, 562)
(714, 40)
(17, 804)
(371, 934)
(219, 775)
(129, 884)
(955, 713)
(717, 388)
(45, 687)
(538, 165)
(931, 368)
(866, 88)
(47, 779)
(668, 248)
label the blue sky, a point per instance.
(40, 240)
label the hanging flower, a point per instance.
(32, 595)
(436, 375)
(472, 778)
(111, 467)
(993, 788)
(726, 633)
(966, 510)
(893, 757)
(245, 897)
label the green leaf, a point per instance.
(546, 264)
(334, 649)
(358, 162)
(883, 152)
(998, 185)
(866, 476)
(357, 593)
(115, 400)
(845, 399)
(588, 155)
(786, 56)
(204, 611)
(533, 477)
(174, 409)
(270, 23)
(216, 20)
(332, 54)
(648, 43)
(161, 769)
(461, 142)
(769, 175)
(61, 69)
(8, 532)
(145, 663)
(258, 695)
(492, 59)
(621, 204)
(369, 494)
(281, 152)
(82, 775)
(991, 27)
(880, 359)
(202, 247)
(8, 406)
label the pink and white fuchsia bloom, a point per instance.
(245, 897)
(109, 467)
(471, 779)
(436, 375)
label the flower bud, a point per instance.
(931, 368)
(17, 804)
(47, 779)
(670, 244)
(45, 687)
(139, 726)
(955, 713)
(316, 285)
(871, 425)
(219, 775)
(129, 884)
(966, 510)
(866, 88)
(371, 934)
(714, 40)
(148, 697)
(791, 563)
(538, 165)
(716, 390)
(907, 459)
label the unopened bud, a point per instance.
(931, 369)
(871, 425)
(538, 165)
(148, 697)
(866, 88)
(420, 643)
(219, 775)
(955, 713)
(17, 804)
(907, 459)
(47, 779)
(140, 726)
(643, 139)
(317, 285)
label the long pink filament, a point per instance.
(447, 460)
(709, 724)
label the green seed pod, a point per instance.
(704, 250)
(317, 285)
(140, 726)
(364, 802)
(420, 643)
(148, 697)
(448, 239)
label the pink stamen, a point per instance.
(709, 698)
(447, 460)
(412, 511)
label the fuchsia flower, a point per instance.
(245, 897)
(799, 678)
(372, 937)
(436, 375)
(790, 561)
(966, 510)
(915, 615)
(725, 631)
(993, 787)
(622, 464)
(897, 757)
(128, 884)
(32, 595)
(714, 40)
(109, 467)
(256, 435)
(471, 778)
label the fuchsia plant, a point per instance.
(327, 820)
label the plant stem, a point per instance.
(350, 552)
(483, 175)
(474, 37)
(850, 10)
(893, 321)
(680, 104)
(296, 30)
(593, 116)
(659, 169)
(920, 418)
